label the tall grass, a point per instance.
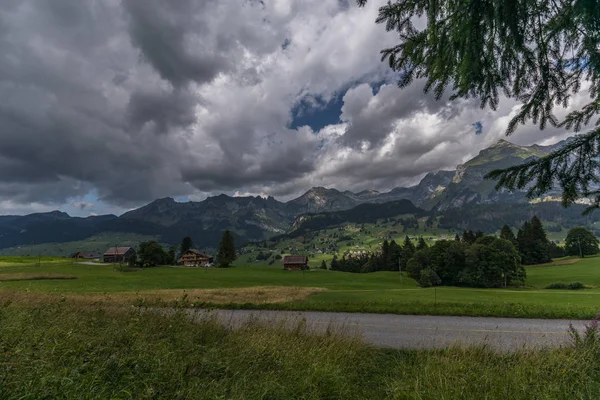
(66, 350)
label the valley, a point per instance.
(456, 200)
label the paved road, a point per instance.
(422, 332)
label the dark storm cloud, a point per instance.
(63, 122)
(172, 37)
(165, 109)
(138, 99)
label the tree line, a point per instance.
(151, 253)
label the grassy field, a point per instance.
(65, 351)
(270, 287)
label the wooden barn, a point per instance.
(118, 254)
(295, 263)
(195, 258)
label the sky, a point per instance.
(110, 104)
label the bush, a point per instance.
(575, 286)
(557, 285)
(566, 286)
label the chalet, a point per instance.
(89, 255)
(292, 263)
(195, 258)
(118, 254)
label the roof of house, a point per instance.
(117, 251)
(295, 259)
(198, 252)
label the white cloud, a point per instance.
(195, 97)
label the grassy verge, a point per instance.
(64, 351)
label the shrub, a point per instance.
(557, 285)
(566, 286)
(575, 286)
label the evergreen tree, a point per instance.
(385, 255)
(406, 252)
(533, 243)
(536, 51)
(421, 244)
(226, 253)
(323, 265)
(395, 256)
(335, 264)
(507, 234)
(408, 246)
(457, 238)
(556, 251)
(540, 251)
(185, 245)
(581, 242)
(469, 237)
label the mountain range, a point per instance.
(258, 218)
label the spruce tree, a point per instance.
(533, 243)
(457, 238)
(226, 253)
(335, 264)
(408, 246)
(323, 265)
(507, 234)
(541, 248)
(185, 245)
(539, 52)
(421, 244)
(469, 237)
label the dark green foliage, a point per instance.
(581, 242)
(419, 261)
(556, 251)
(536, 51)
(226, 253)
(566, 286)
(151, 254)
(469, 237)
(186, 244)
(507, 234)
(323, 265)
(576, 286)
(489, 262)
(429, 278)
(335, 264)
(533, 243)
(171, 259)
(421, 243)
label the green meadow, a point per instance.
(382, 292)
(64, 351)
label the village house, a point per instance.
(195, 258)
(118, 254)
(295, 263)
(88, 255)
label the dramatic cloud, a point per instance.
(119, 102)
